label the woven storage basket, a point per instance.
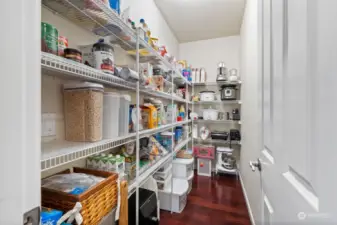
(96, 202)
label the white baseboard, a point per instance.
(251, 216)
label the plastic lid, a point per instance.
(82, 85)
(183, 161)
(112, 94)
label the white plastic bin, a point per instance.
(111, 103)
(163, 175)
(164, 167)
(182, 167)
(124, 112)
(190, 182)
(163, 184)
(179, 196)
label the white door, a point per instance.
(20, 111)
(299, 107)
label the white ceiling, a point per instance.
(193, 20)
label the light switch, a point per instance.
(48, 125)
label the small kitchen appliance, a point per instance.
(222, 72)
(236, 114)
(228, 92)
(226, 162)
(233, 75)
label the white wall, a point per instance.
(251, 113)
(147, 9)
(208, 53)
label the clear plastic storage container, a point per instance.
(83, 109)
(175, 200)
(111, 103)
(182, 167)
(124, 114)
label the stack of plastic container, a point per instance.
(166, 181)
(183, 169)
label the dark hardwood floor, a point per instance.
(213, 201)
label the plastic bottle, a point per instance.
(115, 4)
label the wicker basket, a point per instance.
(96, 202)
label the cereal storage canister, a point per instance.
(83, 109)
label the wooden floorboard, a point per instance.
(216, 201)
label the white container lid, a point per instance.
(126, 97)
(112, 94)
(183, 161)
(81, 85)
(180, 187)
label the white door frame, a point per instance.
(20, 94)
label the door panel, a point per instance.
(297, 89)
(267, 101)
(299, 115)
(20, 115)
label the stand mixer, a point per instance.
(226, 162)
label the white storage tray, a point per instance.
(182, 167)
(179, 196)
(163, 168)
(163, 175)
(162, 184)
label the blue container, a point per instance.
(178, 134)
(166, 140)
(50, 216)
(115, 4)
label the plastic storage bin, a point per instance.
(164, 167)
(179, 196)
(163, 175)
(124, 114)
(111, 104)
(83, 109)
(190, 181)
(182, 167)
(163, 184)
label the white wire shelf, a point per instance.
(99, 19)
(218, 102)
(218, 83)
(218, 121)
(145, 174)
(180, 145)
(56, 65)
(74, 70)
(144, 133)
(215, 141)
(57, 153)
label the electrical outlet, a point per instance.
(48, 125)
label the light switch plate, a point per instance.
(48, 125)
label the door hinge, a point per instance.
(32, 217)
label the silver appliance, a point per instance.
(222, 72)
